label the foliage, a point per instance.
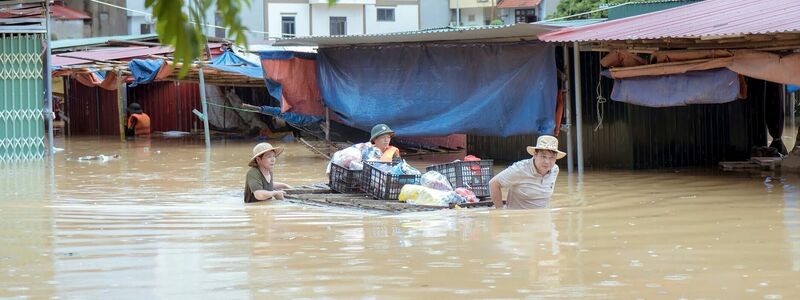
(174, 27)
(497, 22)
(573, 7)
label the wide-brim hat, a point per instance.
(262, 148)
(379, 130)
(546, 142)
(135, 108)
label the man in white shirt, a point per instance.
(530, 182)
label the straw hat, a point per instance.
(546, 142)
(262, 148)
(379, 130)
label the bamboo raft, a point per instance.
(321, 195)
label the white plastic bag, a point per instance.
(436, 180)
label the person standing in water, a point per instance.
(380, 137)
(260, 184)
(530, 182)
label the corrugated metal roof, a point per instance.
(520, 30)
(122, 53)
(518, 3)
(94, 41)
(571, 23)
(57, 11)
(717, 18)
(638, 8)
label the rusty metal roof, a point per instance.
(706, 19)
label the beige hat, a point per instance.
(262, 148)
(546, 142)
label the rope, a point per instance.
(600, 102)
(231, 107)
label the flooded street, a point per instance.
(166, 220)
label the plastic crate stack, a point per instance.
(344, 180)
(383, 185)
(473, 175)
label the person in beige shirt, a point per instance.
(530, 182)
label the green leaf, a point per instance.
(175, 29)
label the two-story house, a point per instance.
(483, 12)
(315, 17)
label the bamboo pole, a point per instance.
(121, 109)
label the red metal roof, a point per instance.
(117, 53)
(710, 18)
(518, 3)
(57, 11)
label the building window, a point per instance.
(219, 31)
(386, 14)
(471, 18)
(287, 27)
(524, 16)
(145, 29)
(338, 25)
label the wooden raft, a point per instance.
(321, 195)
(755, 163)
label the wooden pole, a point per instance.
(568, 105)
(578, 116)
(120, 106)
(204, 105)
(327, 124)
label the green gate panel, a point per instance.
(21, 97)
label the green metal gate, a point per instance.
(21, 97)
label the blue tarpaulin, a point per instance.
(291, 118)
(144, 70)
(698, 87)
(431, 90)
(792, 88)
(230, 62)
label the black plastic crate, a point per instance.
(344, 180)
(382, 185)
(474, 175)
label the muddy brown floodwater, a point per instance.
(166, 220)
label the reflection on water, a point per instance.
(166, 220)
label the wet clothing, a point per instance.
(526, 187)
(138, 124)
(255, 181)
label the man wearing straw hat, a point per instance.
(260, 184)
(530, 182)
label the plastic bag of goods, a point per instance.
(467, 194)
(349, 158)
(435, 180)
(420, 195)
(404, 168)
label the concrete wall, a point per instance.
(547, 8)
(472, 17)
(106, 20)
(321, 14)
(434, 14)
(68, 29)
(406, 18)
(299, 10)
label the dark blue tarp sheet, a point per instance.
(699, 87)
(144, 70)
(792, 88)
(431, 90)
(292, 118)
(230, 62)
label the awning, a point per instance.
(515, 32)
(518, 3)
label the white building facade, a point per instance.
(289, 18)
